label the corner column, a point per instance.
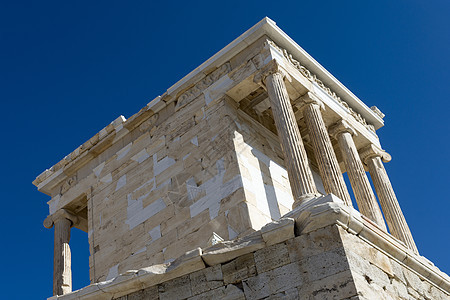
(62, 269)
(367, 203)
(297, 164)
(330, 172)
(372, 157)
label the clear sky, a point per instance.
(67, 69)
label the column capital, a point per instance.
(60, 214)
(373, 151)
(310, 98)
(273, 67)
(341, 127)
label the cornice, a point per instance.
(65, 169)
(313, 78)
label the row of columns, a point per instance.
(299, 171)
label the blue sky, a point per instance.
(67, 69)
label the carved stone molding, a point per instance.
(200, 86)
(310, 98)
(149, 123)
(71, 181)
(271, 68)
(313, 78)
(340, 127)
(373, 151)
(377, 111)
(62, 213)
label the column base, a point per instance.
(305, 199)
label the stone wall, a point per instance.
(172, 185)
(161, 194)
(328, 263)
(378, 275)
(312, 266)
(195, 168)
(324, 250)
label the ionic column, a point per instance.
(367, 203)
(297, 164)
(395, 219)
(62, 271)
(332, 178)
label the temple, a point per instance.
(231, 185)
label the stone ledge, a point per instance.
(104, 138)
(191, 261)
(311, 216)
(329, 209)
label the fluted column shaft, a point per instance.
(330, 172)
(394, 216)
(367, 203)
(62, 272)
(297, 164)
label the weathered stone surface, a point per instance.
(190, 262)
(324, 239)
(413, 281)
(291, 294)
(372, 255)
(271, 257)
(367, 290)
(187, 263)
(274, 281)
(239, 269)
(324, 264)
(150, 293)
(229, 292)
(398, 289)
(229, 250)
(178, 288)
(337, 286)
(320, 212)
(329, 263)
(278, 231)
(206, 279)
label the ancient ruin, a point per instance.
(230, 186)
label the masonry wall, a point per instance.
(165, 191)
(202, 170)
(154, 191)
(328, 263)
(378, 275)
(311, 266)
